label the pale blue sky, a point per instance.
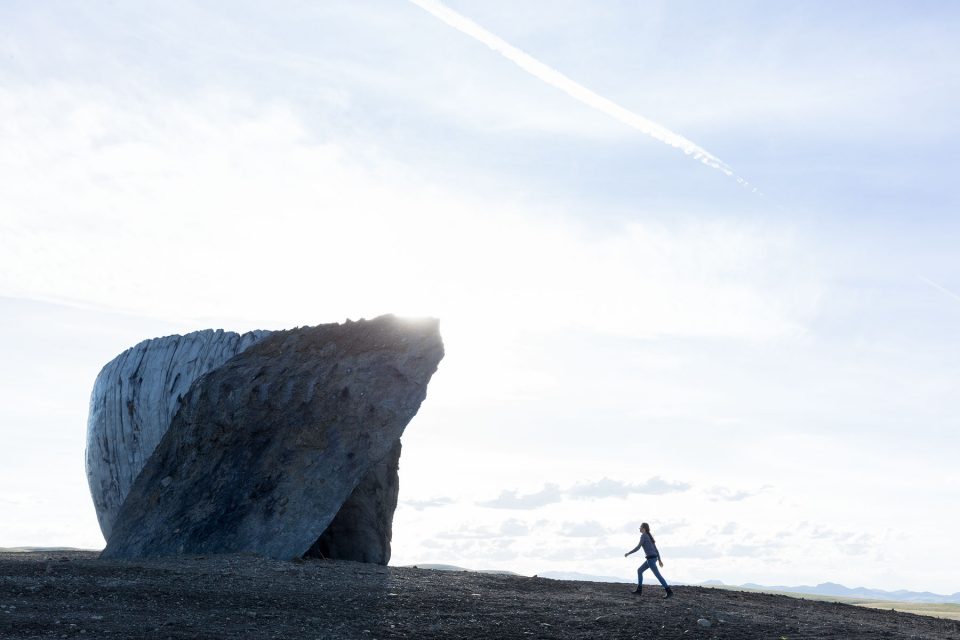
(787, 362)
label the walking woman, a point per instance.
(653, 557)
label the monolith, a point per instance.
(289, 446)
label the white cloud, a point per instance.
(729, 495)
(607, 488)
(604, 488)
(513, 527)
(588, 529)
(510, 499)
(575, 90)
(419, 505)
(696, 551)
(220, 206)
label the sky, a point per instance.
(765, 374)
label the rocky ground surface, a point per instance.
(75, 595)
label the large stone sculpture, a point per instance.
(289, 447)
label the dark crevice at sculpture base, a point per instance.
(363, 527)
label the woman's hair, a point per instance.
(645, 527)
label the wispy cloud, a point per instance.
(607, 488)
(510, 528)
(514, 527)
(696, 551)
(732, 495)
(574, 89)
(588, 529)
(550, 494)
(210, 164)
(420, 505)
(942, 289)
(604, 488)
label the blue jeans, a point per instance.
(652, 565)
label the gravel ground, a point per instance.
(74, 594)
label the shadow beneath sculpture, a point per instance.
(363, 526)
(280, 443)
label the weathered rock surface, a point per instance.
(266, 449)
(134, 399)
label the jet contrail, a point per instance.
(574, 89)
(940, 288)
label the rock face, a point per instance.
(133, 401)
(292, 445)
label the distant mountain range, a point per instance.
(823, 589)
(834, 589)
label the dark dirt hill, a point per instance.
(73, 594)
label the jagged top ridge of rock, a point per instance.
(265, 448)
